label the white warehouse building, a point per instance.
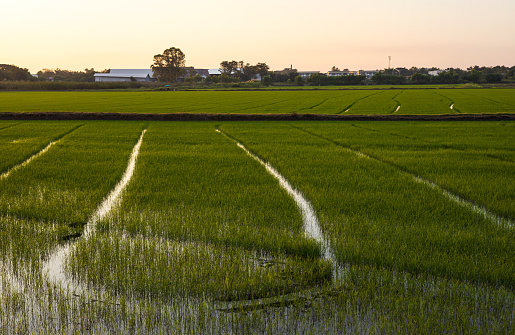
(126, 75)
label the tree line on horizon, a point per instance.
(170, 66)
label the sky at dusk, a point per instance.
(310, 35)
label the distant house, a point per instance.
(367, 73)
(339, 73)
(190, 71)
(434, 72)
(286, 71)
(126, 75)
(214, 72)
(307, 74)
(234, 73)
(204, 73)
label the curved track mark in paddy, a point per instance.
(311, 226)
(446, 146)
(315, 105)
(53, 268)
(239, 110)
(478, 209)
(451, 104)
(10, 126)
(499, 102)
(346, 109)
(37, 154)
(397, 101)
(27, 161)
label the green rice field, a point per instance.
(363, 101)
(363, 227)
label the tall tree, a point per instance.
(13, 72)
(249, 71)
(169, 65)
(262, 69)
(229, 67)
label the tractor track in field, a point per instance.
(53, 267)
(451, 102)
(346, 109)
(398, 103)
(35, 155)
(10, 126)
(456, 198)
(312, 229)
(28, 160)
(85, 116)
(311, 225)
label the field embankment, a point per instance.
(78, 116)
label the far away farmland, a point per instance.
(344, 102)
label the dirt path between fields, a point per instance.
(248, 117)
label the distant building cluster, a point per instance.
(120, 75)
(148, 74)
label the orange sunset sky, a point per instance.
(310, 35)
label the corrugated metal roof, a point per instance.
(127, 73)
(132, 72)
(110, 75)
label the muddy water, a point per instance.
(8, 279)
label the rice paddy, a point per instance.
(259, 227)
(366, 101)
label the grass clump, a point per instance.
(166, 269)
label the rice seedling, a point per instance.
(68, 182)
(21, 141)
(481, 101)
(472, 160)
(193, 184)
(218, 270)
(423, 102)
(153, 266)
(381, 102)
(8, 124)
(374, 213)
